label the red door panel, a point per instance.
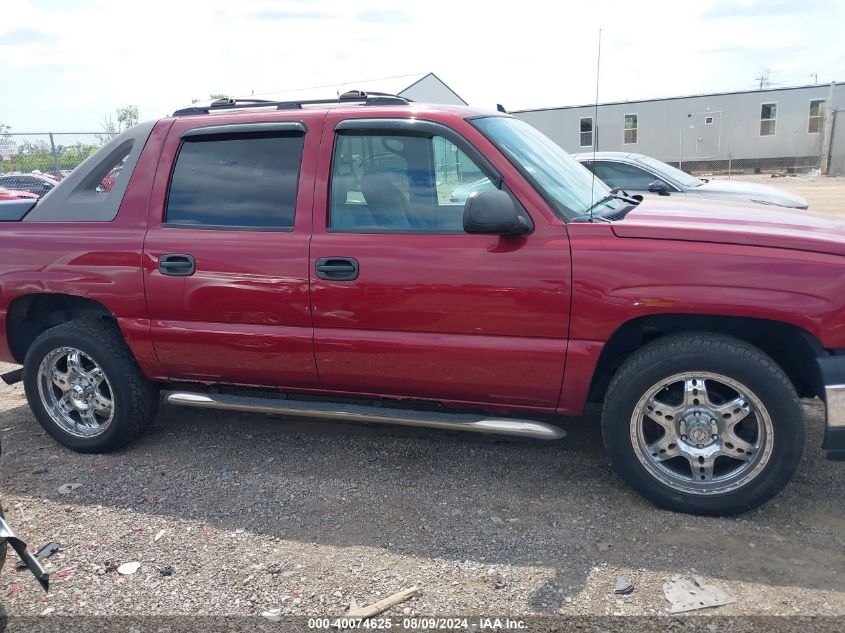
(244, 316)
(455, 317)
(449, 367)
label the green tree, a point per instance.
(126, 117)
(71, 155)
(32, 156)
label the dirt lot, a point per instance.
(255, 513)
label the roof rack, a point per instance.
(353, 96)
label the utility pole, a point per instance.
(764, 78)
(827, 132)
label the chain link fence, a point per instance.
(727, 165)
(51, 154)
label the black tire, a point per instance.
(711, 354)
(135, 398)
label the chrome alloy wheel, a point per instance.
(702, 433)
(75, 392)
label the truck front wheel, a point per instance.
(85, 387)
(703, 423)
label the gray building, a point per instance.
(774, 128)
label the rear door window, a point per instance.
(246, 181)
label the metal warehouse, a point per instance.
(754, 130)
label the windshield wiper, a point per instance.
(613, 195)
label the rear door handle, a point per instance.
(337, 268)
(177, 265)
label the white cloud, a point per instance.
(70, 63)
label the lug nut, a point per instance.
(684, 437)
(715, 436)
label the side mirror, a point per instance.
(494, 213)
(658, 187)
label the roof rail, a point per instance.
(353, 96)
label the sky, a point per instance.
(65, 64)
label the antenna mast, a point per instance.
(595, 131)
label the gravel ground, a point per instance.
(255, 513)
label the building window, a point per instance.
(586, 127)
(816, 120)
(768, 119)
(630, 130)
(708, 120)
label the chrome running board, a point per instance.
(362, 413)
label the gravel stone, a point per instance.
(410, 506)
(623, 586)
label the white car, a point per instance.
(638, 174)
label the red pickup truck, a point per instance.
(309, 259)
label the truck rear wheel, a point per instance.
(85, 387)
(703, 423)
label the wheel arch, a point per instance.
(30, 315)
(793, 348)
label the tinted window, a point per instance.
(401, 183)
(237, 181)
(623, 176)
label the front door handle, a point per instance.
(337, 268)
(177, 265)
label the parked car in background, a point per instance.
(108, 181)
(638, 174)
(56, 177)
(11, 194)
(33, 183)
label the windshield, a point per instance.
(672, 173)
(565, 184)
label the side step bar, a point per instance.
(362, 413)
